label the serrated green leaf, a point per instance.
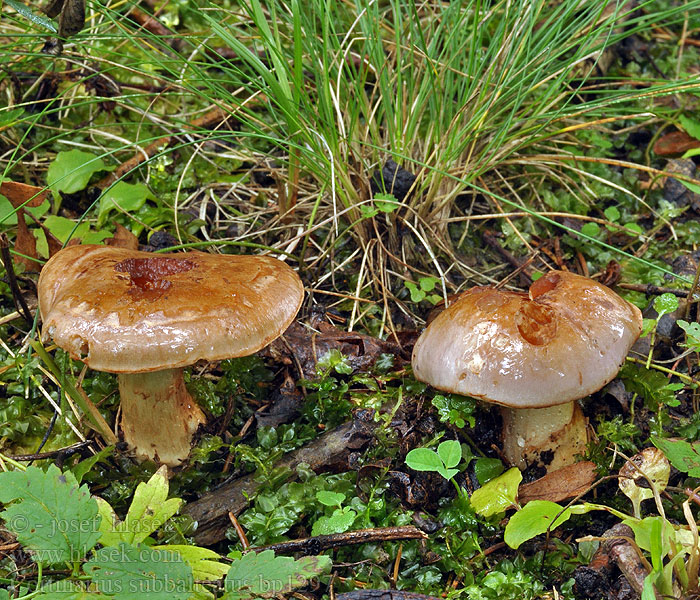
(532, 520)
(129, 572)
(498, 494)
(124, 196)
(681, 454)
(266, 575)
(450, 451)
(71, 171)
(423, 459)
(330, 498)
(149, 509)
(386, 202)
(204, 562)
(51, 515)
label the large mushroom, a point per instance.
(146, 316)
(535, 354)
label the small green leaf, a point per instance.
(340, 521)
(693, 187)
(692, 332)
(423, 459)
(447, 473)
(427, 284)
(71, 171)
(681, 454)
(62, 228)
(590, 229)
(9, 117)
(450, 451)
(330, 498)
(122, 196)
(266, 575)
(51, 515)
(84, 466)
(691, 126)
(533, 519)
(665, 304)
(648, 325)
(612, 214)
(498, 494)
(416, 293)
(386, 202)
(633, 227)
(129, 572)
(486, 469)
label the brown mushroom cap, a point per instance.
(126, 311)
(564, 340)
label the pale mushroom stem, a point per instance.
(530, 433)
(159, 417)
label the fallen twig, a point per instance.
(319, 543)
(383, 595)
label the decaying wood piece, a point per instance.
(323, 454)
(317, 544)
(617, 548)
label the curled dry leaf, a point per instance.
(645, 469)
(20, 193)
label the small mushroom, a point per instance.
(146, 316)
(535, 354)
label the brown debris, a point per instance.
(22, 194)
(675, 144)
(123, 238)
(305, 347)
(25, 246)
(567, 482)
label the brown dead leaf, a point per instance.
(25, 245)
(123, 238)
(675, 144)
(567, 482)
(19, 193)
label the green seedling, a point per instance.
(423, 290)
(341, 519)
